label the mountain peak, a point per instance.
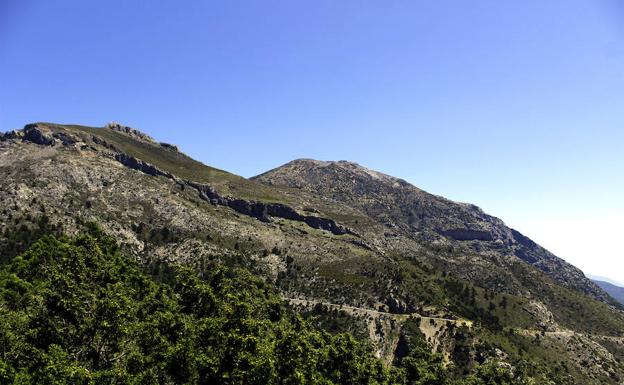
(346, 167)
(414, 213)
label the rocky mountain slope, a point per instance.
(350, 248)
(407, 210)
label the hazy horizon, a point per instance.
(515, 107)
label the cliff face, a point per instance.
(338, 240)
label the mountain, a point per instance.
(350, 249)
(411, 212)
(604, 279)
(614, 291)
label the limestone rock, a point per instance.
(171, 147)
(38, 135)
(11, 135)
(130, 131)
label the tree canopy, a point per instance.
(78, 311)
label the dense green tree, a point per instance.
(77, 311)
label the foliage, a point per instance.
(77, 311)
(16, 239)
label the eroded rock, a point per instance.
(38, 135)
(130, 131)
(259, 210)
(11, 135)
(170, 147)
(138, 164)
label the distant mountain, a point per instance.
(614, 291)
(604, 279)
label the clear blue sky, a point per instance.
(517, 106)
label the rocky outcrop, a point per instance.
(326, 224)
(264, 211)
(65, 138)
(102, 142)
(397, 306)
(207, 193)
(138, 164)
(14, 134)
(170, 147)
(136, 134)
(38, 135)
(259, 210)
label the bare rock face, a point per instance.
(38, 135)
(41, 134)
(171, 147)
(130, 131)
(137, 164)
(66, 138)
(14, 134)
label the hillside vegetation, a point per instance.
(76, 310)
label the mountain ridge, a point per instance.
(406, 251)
(317, 177)
(615, 291)
(604, 279)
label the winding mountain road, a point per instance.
(361, 310)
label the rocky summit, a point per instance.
(407, 211)
(349, 248)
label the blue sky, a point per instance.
(515, 106)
